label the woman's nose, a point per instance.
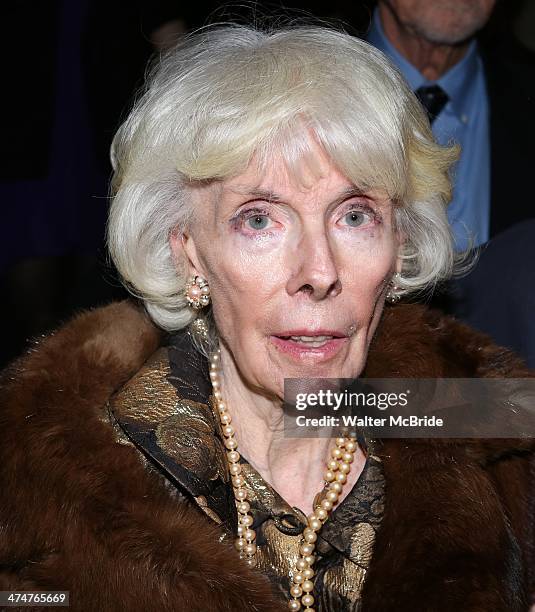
(314, 271)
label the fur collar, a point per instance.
(83, 514)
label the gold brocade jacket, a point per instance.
(168, 413)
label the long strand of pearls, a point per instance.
(338, 467)
(245, 541)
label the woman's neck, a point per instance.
(294, 467)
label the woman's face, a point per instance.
(284, 258)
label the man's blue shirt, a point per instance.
(465, 120)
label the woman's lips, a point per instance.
(300, 350)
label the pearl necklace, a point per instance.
(338, 467)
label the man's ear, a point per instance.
(184, 251)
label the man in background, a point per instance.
(483, 97)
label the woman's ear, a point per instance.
(401, 238)
(184, 251)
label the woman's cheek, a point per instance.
(367, 265)
(371, 233)
(248, 256)
(244, 268)
(374, 242)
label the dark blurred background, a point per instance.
(70, 71)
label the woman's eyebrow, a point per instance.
(375, 197)
(266, 194)
(261, 194)
(350, 192)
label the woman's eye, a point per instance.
(258, 222)
(252, 219)
(356, 218)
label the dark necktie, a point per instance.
(433, 99)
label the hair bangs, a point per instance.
(273, 107)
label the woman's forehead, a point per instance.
(279, 177)
(278, 182)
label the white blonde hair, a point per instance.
(227, 93)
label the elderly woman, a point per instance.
(271, 192)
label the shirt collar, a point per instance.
(459, 82)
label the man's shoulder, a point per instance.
(509, 67)
(507, 54)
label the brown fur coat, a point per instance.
(79, 512)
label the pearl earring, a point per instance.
(197, 292)
(391, 295)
